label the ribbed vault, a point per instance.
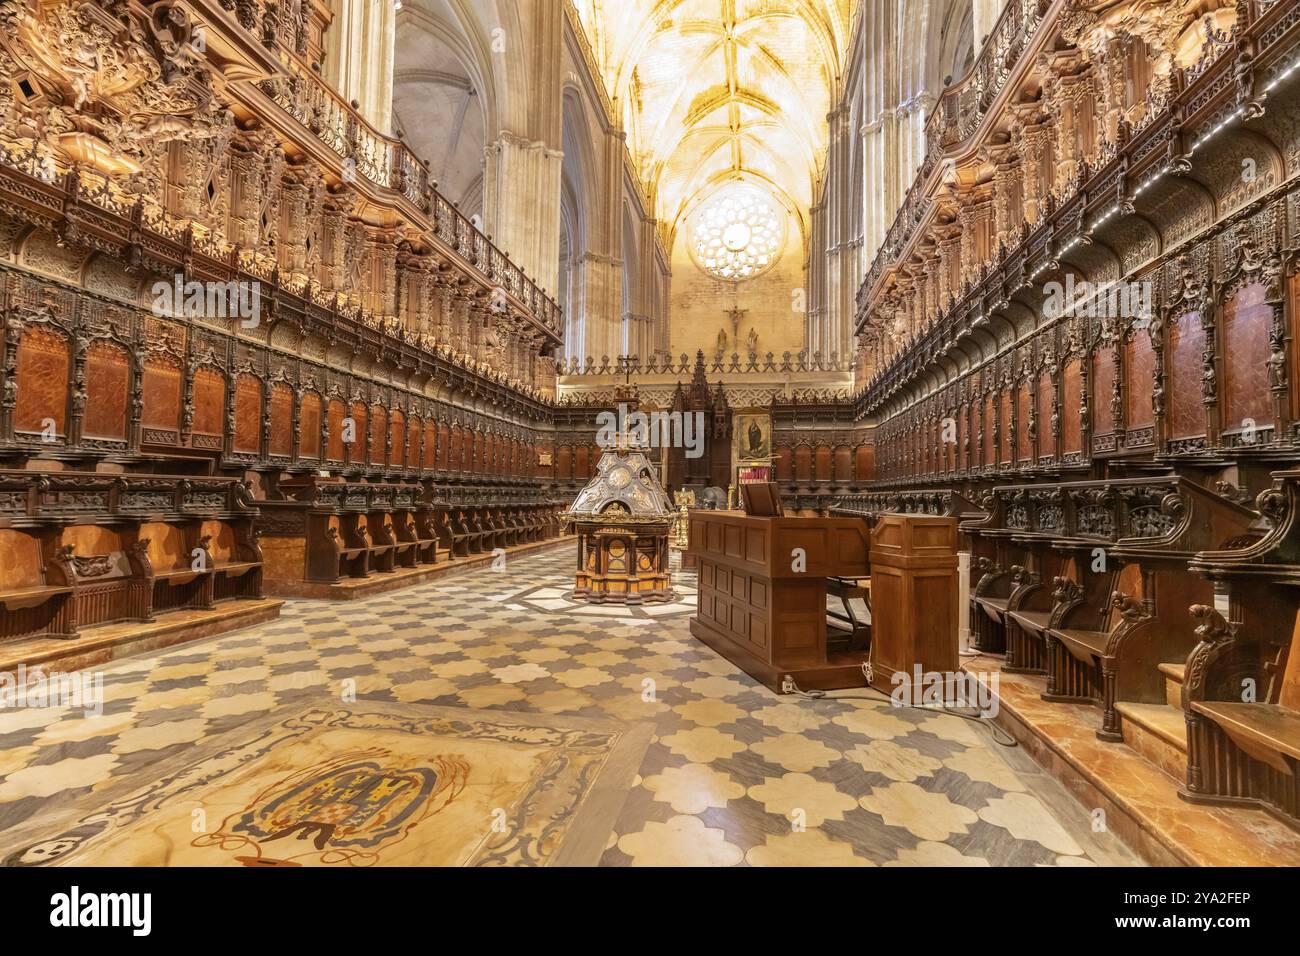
(715, 91)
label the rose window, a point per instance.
(738, 234)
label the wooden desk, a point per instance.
(914, 585)
(764, 610)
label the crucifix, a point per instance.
(736, 315)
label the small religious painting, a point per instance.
(753, 437)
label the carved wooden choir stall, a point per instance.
(80, 549)
(215, 274)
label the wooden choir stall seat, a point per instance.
(325, 531)
(1120, 614)
(450, 539)
(83, 549)
(35, 589)
(1241, 687)
(178, 566)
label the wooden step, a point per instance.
(1158, 732)
(1174, 674)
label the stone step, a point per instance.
(1158, 732)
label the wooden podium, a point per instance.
(914, 590)
(763, 606)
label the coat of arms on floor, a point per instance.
(364, 784)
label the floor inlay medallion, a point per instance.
(372, 785)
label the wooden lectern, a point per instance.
(762, 594)
(914, 590)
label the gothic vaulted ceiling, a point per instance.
(712, 91)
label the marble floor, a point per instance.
(725, 773)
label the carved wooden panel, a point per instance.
(865, 466)
(1244, 330)
(784, 464)
(803, 463)
(248, 415)
(964, 438)
(357, 446)
(309, 419)
(336, 412)
(1007, 400)
(989, 452)
(1071, 399)
(209, 389)
(108, 377)
(415, 430)
(1046, 400)
(822, 459)
(281, 442)
(376, 433)
(1139, 369)
(1103, 390)
(162, 398)
(467, 462)
(1293, 312)
(1185, 410)
(1024, 402)
(430, 460)
(43, 364)
(397, 435)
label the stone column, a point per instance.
(985, 14)
(359, 44)
(522, 204)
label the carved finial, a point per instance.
(1129, 608)
(1213, 627)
